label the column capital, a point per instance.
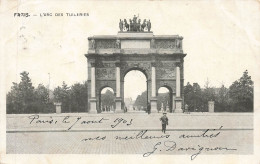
(93, 64)
(153, 64)
(178, 64)
(117, 64)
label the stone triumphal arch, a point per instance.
(159, 57)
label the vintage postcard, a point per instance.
(130, 81)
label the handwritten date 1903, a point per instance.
(123, 121)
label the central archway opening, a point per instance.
(135, 91)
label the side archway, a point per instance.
(106, 100)
(165, 99)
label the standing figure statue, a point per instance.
(149, 25)
(131, 25)
(126, 25)
(121, 25)
(153, 44)
(177, 43)
(92, 44)
(143, 25)
(135, 19)
(117, 44)
(139, 25)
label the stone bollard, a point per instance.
(58, 107)
(211, 106)
(186, 108)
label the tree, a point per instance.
(14, 100)
(241, 94)
(193, 97)
(21, 97)
(108, 99)
(79, 97)
(208, 94)
(42, 94)
(188, 96)
(197, 97)
(62, 94)
(141, 101)
(26, 92)
(222, 100)
(42, 103)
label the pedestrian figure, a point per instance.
(148, 108)
(164, 120)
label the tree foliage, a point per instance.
(141, 101)
(241, 93)
(24, 98)
(238, 98)
(73, 99)
(79, 97)
(108, 99)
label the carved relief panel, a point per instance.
(168, 44)
(105, 71)
(165, 70)
(105, 44)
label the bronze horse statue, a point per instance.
(143, 25)
(126, 25)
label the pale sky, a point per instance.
(221, 38)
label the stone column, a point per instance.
(93, 100)
(173, 102)
(178, 99)
(153, 98)
(93, 82)
(118, 80)
(118, 99)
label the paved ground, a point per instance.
(23, 137)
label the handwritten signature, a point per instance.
(171, 145)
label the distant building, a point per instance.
(129, 103)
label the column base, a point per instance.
(93, 106)
(178, 105)
(118, 101)
(153, 105)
